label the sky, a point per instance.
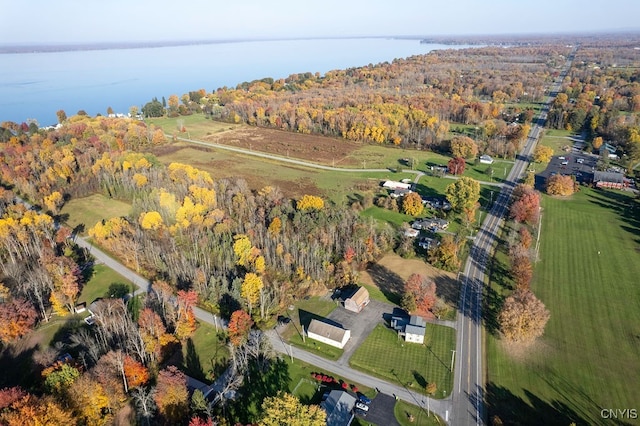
(75, 21)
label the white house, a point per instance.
(329, 334)
(412, 328)
(485, 159)
(357, 301)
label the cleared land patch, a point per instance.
(84, 213)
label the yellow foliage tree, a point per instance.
(542, 154)
(151, 220)
(140, 180)
(310, 202)
(286, 409)
(275, 226)
(242, 249)
(412, 204)
(597, 142)
(53, 202)
(560, 185)
(250, 289)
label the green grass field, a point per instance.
(385, 355)
(99, 283)
(88, 211)
(405, 412)
(196, 125)
(588, 279)
(205, 354)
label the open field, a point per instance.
(196, 125)
(385, 355)
(588, 279)
(99, 283)
(87, 211)
(293, 180)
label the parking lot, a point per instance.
(381, 411)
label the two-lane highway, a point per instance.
(468, 387)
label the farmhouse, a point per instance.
(339, 407)
(485, 159)
(357, 301)
(411, 328)
(327, 333)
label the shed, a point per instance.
(485, 159)
(358, 300)
(328, 333)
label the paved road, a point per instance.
(468, 392)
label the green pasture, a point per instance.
(412, 415)
(385, 355)
(196, 125)
(587, 277)
(101, 279)
(87, 211)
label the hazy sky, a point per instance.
(43, 21)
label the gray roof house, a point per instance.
(339, 407)
(411, 328)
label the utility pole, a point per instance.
(453, 354)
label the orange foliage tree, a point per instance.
(136, 373)
(560, 185)
(17, 317)
(239, 326)
(423, 291)
(172, 396)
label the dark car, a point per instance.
(282, 320)
(362, 398)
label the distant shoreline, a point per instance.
(73, 47)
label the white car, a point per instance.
(361, 406)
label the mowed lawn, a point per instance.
(385, 355)
(589, 279)
(88, 211)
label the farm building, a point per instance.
(393, 185)
(339, 407)
(329, 334)
(485, 159)
(357, 301)
(608, 180)
(411, 328)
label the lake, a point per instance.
(36, 85)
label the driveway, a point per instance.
(381, 411)
(360, 324)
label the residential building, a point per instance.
(328, 333)
(412, 328)
(339, 407)
(357, 301)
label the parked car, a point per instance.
(361, 406)
(364, 399)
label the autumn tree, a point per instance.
(89, 401)
(17, 317)
(445, 255)
(423, 291)
(250, 290)
(62, 116)
(464, 147)
(412, 204)
(310, 202)
(456, 166)
(239, 326)
(560, 185)
(136, 373)
(526, 205)
(463, 194)
(523, 317)
(171, 396)
(597, 142)
(286, 409)
(32, 410)
(53, 202)
(431, 388)
(542, 154)
(185, 318)
(521, 271)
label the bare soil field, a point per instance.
(318, 149)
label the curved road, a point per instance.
(468, 388)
